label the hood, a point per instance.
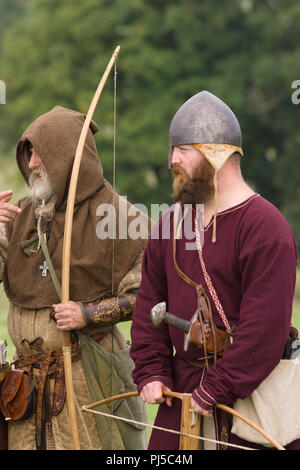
(55, 137)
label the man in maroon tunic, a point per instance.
(250, 255)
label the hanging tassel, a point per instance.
(214, 237)
(39, 229)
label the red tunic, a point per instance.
(252, 266)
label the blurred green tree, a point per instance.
(9, 12)
(244, 51)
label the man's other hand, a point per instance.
(201, 411)
(152, 392)
(7, 211)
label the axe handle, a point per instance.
(179, 323)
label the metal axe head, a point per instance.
(158, 313)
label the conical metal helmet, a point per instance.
(206, 119)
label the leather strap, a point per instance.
(203, 306)
(49, 262)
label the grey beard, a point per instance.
(42, 190)
(43, 194)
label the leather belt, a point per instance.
(50, 365)
(204, 362)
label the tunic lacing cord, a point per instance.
(208, 281)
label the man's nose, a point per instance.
(176, 160)
(35, 161)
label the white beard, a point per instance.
(41, 188)
(43, 194)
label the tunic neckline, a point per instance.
(231, 209)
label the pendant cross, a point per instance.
(45, 268)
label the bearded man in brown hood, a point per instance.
(105, 275)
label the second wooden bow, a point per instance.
(189, 429)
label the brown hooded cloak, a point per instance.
(55, 136)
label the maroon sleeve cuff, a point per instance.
(203, 398)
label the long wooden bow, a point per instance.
(65, 297)
(186, 438)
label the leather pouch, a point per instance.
(214, 340)
(18, 395)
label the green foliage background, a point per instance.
(244, 51)
(247, 52)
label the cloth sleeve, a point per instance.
(268, 275)
(151, 348)
(3, 248)
(132, 279)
